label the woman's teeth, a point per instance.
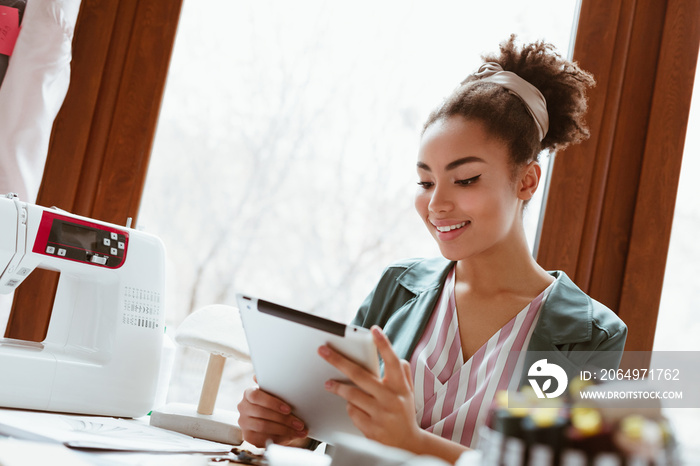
(450, 227)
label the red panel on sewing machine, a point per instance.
(77, 240)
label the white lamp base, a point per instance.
(220, 426)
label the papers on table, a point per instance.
(100, 433)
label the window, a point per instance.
(679, 321)
(680, 300)
(283, 165)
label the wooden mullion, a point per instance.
(605, 100)
(627, 155)
(74, 125)
(101, 140)
(664, 144)
(128, 152)
(104, 117)
(575, 194)
(605, 191)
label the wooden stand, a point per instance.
(217, 330)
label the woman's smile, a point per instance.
(449, 230)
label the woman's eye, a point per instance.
(425, 184)
(468, 181)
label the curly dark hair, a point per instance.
(562, 83)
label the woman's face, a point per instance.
(467, 195)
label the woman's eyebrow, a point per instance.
(454, 164)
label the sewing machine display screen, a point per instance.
(77, 236)
(78, 240)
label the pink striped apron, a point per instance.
(452, 396)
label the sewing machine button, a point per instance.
(50, 249)
(98, 260)
(120, 245)
(113, 235)
(113, 251)
(61, 252)
(106, 242)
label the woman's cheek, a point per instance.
(421, 202)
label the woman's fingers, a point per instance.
(353, 395)
(264, 417)
(394, 375)
(383, 408)
(271, 428)
(407, 373)
(259, 412)
(261, 398)
(356, 373)
(397, 374)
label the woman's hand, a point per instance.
(264, 417)
(382, 408)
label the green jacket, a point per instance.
(573, 330)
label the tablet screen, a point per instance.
(283, 345)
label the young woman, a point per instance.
(450, 323)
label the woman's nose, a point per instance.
(440, 201)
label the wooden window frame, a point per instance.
(611, 200)
(101, 140)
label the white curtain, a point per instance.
(31, 94)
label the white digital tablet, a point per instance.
(283, 346)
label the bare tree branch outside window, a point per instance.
(284, 163)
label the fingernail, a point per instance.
(298, 425)
(329, 384)
(285, 409)
(324, 351)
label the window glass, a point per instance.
(679, 320)
(284, 161)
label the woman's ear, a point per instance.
(529, 180)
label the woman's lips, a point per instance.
(449, 230)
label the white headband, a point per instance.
(532, 98)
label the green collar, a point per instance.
(565, 317)
(425, 275)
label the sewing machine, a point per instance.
(103, 347)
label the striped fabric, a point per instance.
(452, 396)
